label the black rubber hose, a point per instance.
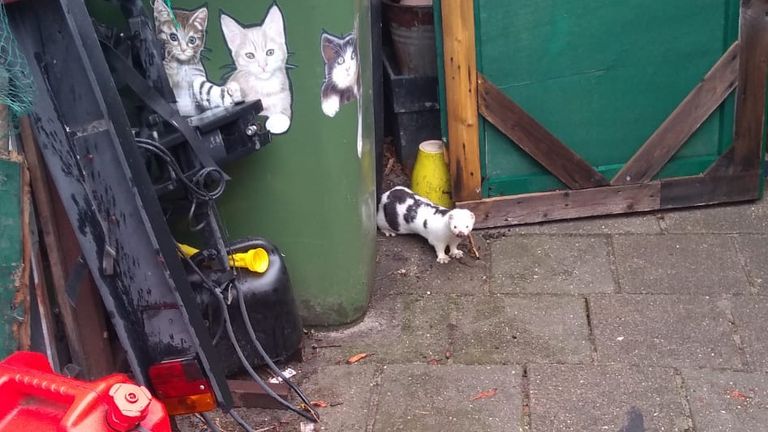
(248, 367)
(209, 422)
(231, 333)
(263, 353)
(239, 420)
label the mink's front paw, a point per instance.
(457, 254)
(443, 259)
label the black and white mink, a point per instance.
(403, 212)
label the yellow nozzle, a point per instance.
(255, 260)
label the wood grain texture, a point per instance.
(248, 394)
(23, 295)
(722, 165)
(534, 139)
(50, 236)
(549, 206)
(665, 194)
(713, 189)
(686, 119)
(750, 98)
(461, 98)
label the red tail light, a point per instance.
(182, 387)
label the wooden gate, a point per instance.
(735, 176)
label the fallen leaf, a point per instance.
(357, 357)
(735, 394)
(320, 404)
(485, 394)
(433, 362)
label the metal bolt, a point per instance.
(251, 130)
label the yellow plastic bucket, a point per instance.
(431, 178)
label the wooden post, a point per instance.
(750, 98)
(461, 98)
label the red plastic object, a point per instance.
(34, 398)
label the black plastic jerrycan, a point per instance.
(269, 303)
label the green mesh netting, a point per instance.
(16, 86)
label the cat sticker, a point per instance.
(260, 56)
(341, 84)
(182, 34)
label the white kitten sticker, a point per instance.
(260, 56)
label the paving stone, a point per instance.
(396, 328)
(727, 218)
(679, 264)
(507, 330)
(751, 315)
(724, 401)
(421, 398)
(628, 224)
(551, 264)
(351, 386)
(754, 251)
(604, 398)
(406, 265)
(663, 330)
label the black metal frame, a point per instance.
(89, 149)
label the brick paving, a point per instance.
(622, 324)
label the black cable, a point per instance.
(231, 333)
(198, 191)
(247, 365)
(209, 422)
(270, 363)
(239, 420)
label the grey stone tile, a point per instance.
(727, 218)
(663, 330)
(604, 398)
(508, 330)
(627, 224)
(406, 265)
(396, 329)
(754, 251)
(551, 264)
(421, 398)
(679, 264)
(350, 389)
(724, 401)
(751, 316)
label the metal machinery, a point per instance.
(126, 172)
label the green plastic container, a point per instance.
(312, 190)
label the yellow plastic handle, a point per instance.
(255, 260)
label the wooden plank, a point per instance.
(90, 316)
(714, 189)
(248, 394)
(50, 235)
(534, 139)
(548, 206)
(686, 119)
(750, 97)
(461, 98)
(44, 305)
(23, 295)
(722, 165)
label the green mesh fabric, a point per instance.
(16, 86)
